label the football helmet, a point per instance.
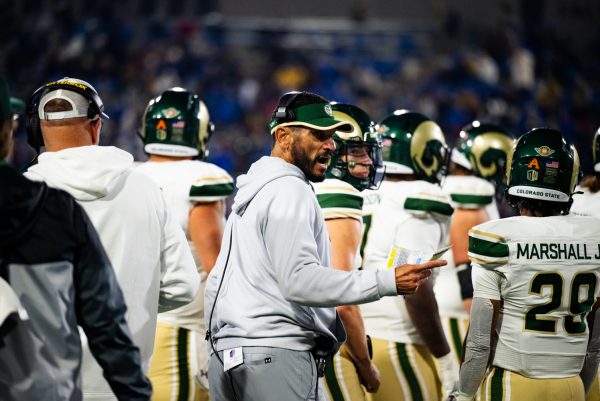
(176, 123)
(542, 165)
(363, 136)
(414, 144)
(596, 151)
(483, 148)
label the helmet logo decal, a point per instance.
(328, 110)
(532, 175)
(480, 147)
(544, 150)
(161, 130)
(177, 132)
(171, 112)
(427, 140)
(534, 164)
(551, 172)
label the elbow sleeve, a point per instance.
(463, 271)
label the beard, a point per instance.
(306, 164)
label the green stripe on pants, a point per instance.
(456, 336)
(182, 360)
(496, 389)
(332, 382)
(409, 373)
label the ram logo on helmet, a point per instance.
(544, 150)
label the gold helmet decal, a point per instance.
(509, 159)
(424, 133)
(356, 132)
(576, 166)
(483, 142)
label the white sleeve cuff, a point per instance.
(386, 282)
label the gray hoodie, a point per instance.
(278, 290)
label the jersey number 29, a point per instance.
(579, 302)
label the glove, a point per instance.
(449, 374)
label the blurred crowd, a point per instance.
(514, 70)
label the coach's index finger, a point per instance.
(432, 264)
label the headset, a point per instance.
(283, 112)
(34, 133)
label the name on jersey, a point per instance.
(555, 251)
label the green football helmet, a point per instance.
(483, 148)
(363, 135)
(176, 123)
(414, 144)
(596, 151)
(542, 165)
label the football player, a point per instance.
(535, 282)
(175, 129)
(409, 214)
(477, 170)
(587, 203)
(356, 165)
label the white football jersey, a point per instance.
(545, 270)
(470, 192)
(413, 215)
(465, 192)
(184, 184)
(586, 204)
(340, 200)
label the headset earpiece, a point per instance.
(34, 132)
(283, 112)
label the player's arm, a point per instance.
(345, 234)
(485, 310)
(592, 355)
(478, 346)
(462, 221)
(206, 223)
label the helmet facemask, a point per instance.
(360, 148)
(350, 155)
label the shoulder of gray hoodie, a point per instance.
(285, 207)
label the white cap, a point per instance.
(79, 103)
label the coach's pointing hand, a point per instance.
(409, 277)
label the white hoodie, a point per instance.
(146, 246)
(277, 290)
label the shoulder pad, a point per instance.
(469, 192)
(487, 247)
(212, 184)
(338, 199)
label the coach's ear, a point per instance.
(96, 126)
(283, 140)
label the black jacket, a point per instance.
(52, 258)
